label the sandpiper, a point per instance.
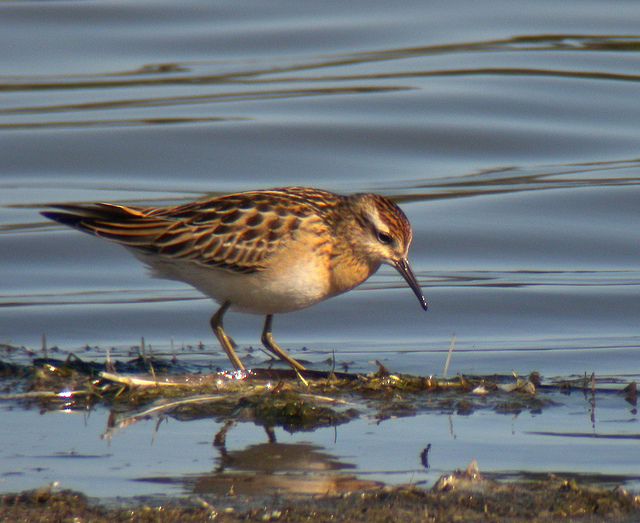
(261, 252)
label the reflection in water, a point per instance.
(272, 457)
(269, 468)
(272, 467)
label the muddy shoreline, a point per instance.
(462, 496)
(148, 388)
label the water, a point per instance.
(507, 131)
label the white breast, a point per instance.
(285, 286)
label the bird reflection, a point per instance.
(272, 467)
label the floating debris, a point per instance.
(148, 386)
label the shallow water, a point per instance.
(507, 131)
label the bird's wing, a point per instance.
(226, 233)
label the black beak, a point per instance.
(403, 268)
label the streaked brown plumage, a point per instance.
(261, 252)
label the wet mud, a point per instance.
(148, 388)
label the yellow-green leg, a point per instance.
(267, 341)
(225, 341)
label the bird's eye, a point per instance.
(383, 238)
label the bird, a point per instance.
(262, 252)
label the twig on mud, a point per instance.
(446, 365)
(323, 398)
(33, 394)
(138, 382)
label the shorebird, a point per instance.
(261, 252)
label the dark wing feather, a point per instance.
(237, 232)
